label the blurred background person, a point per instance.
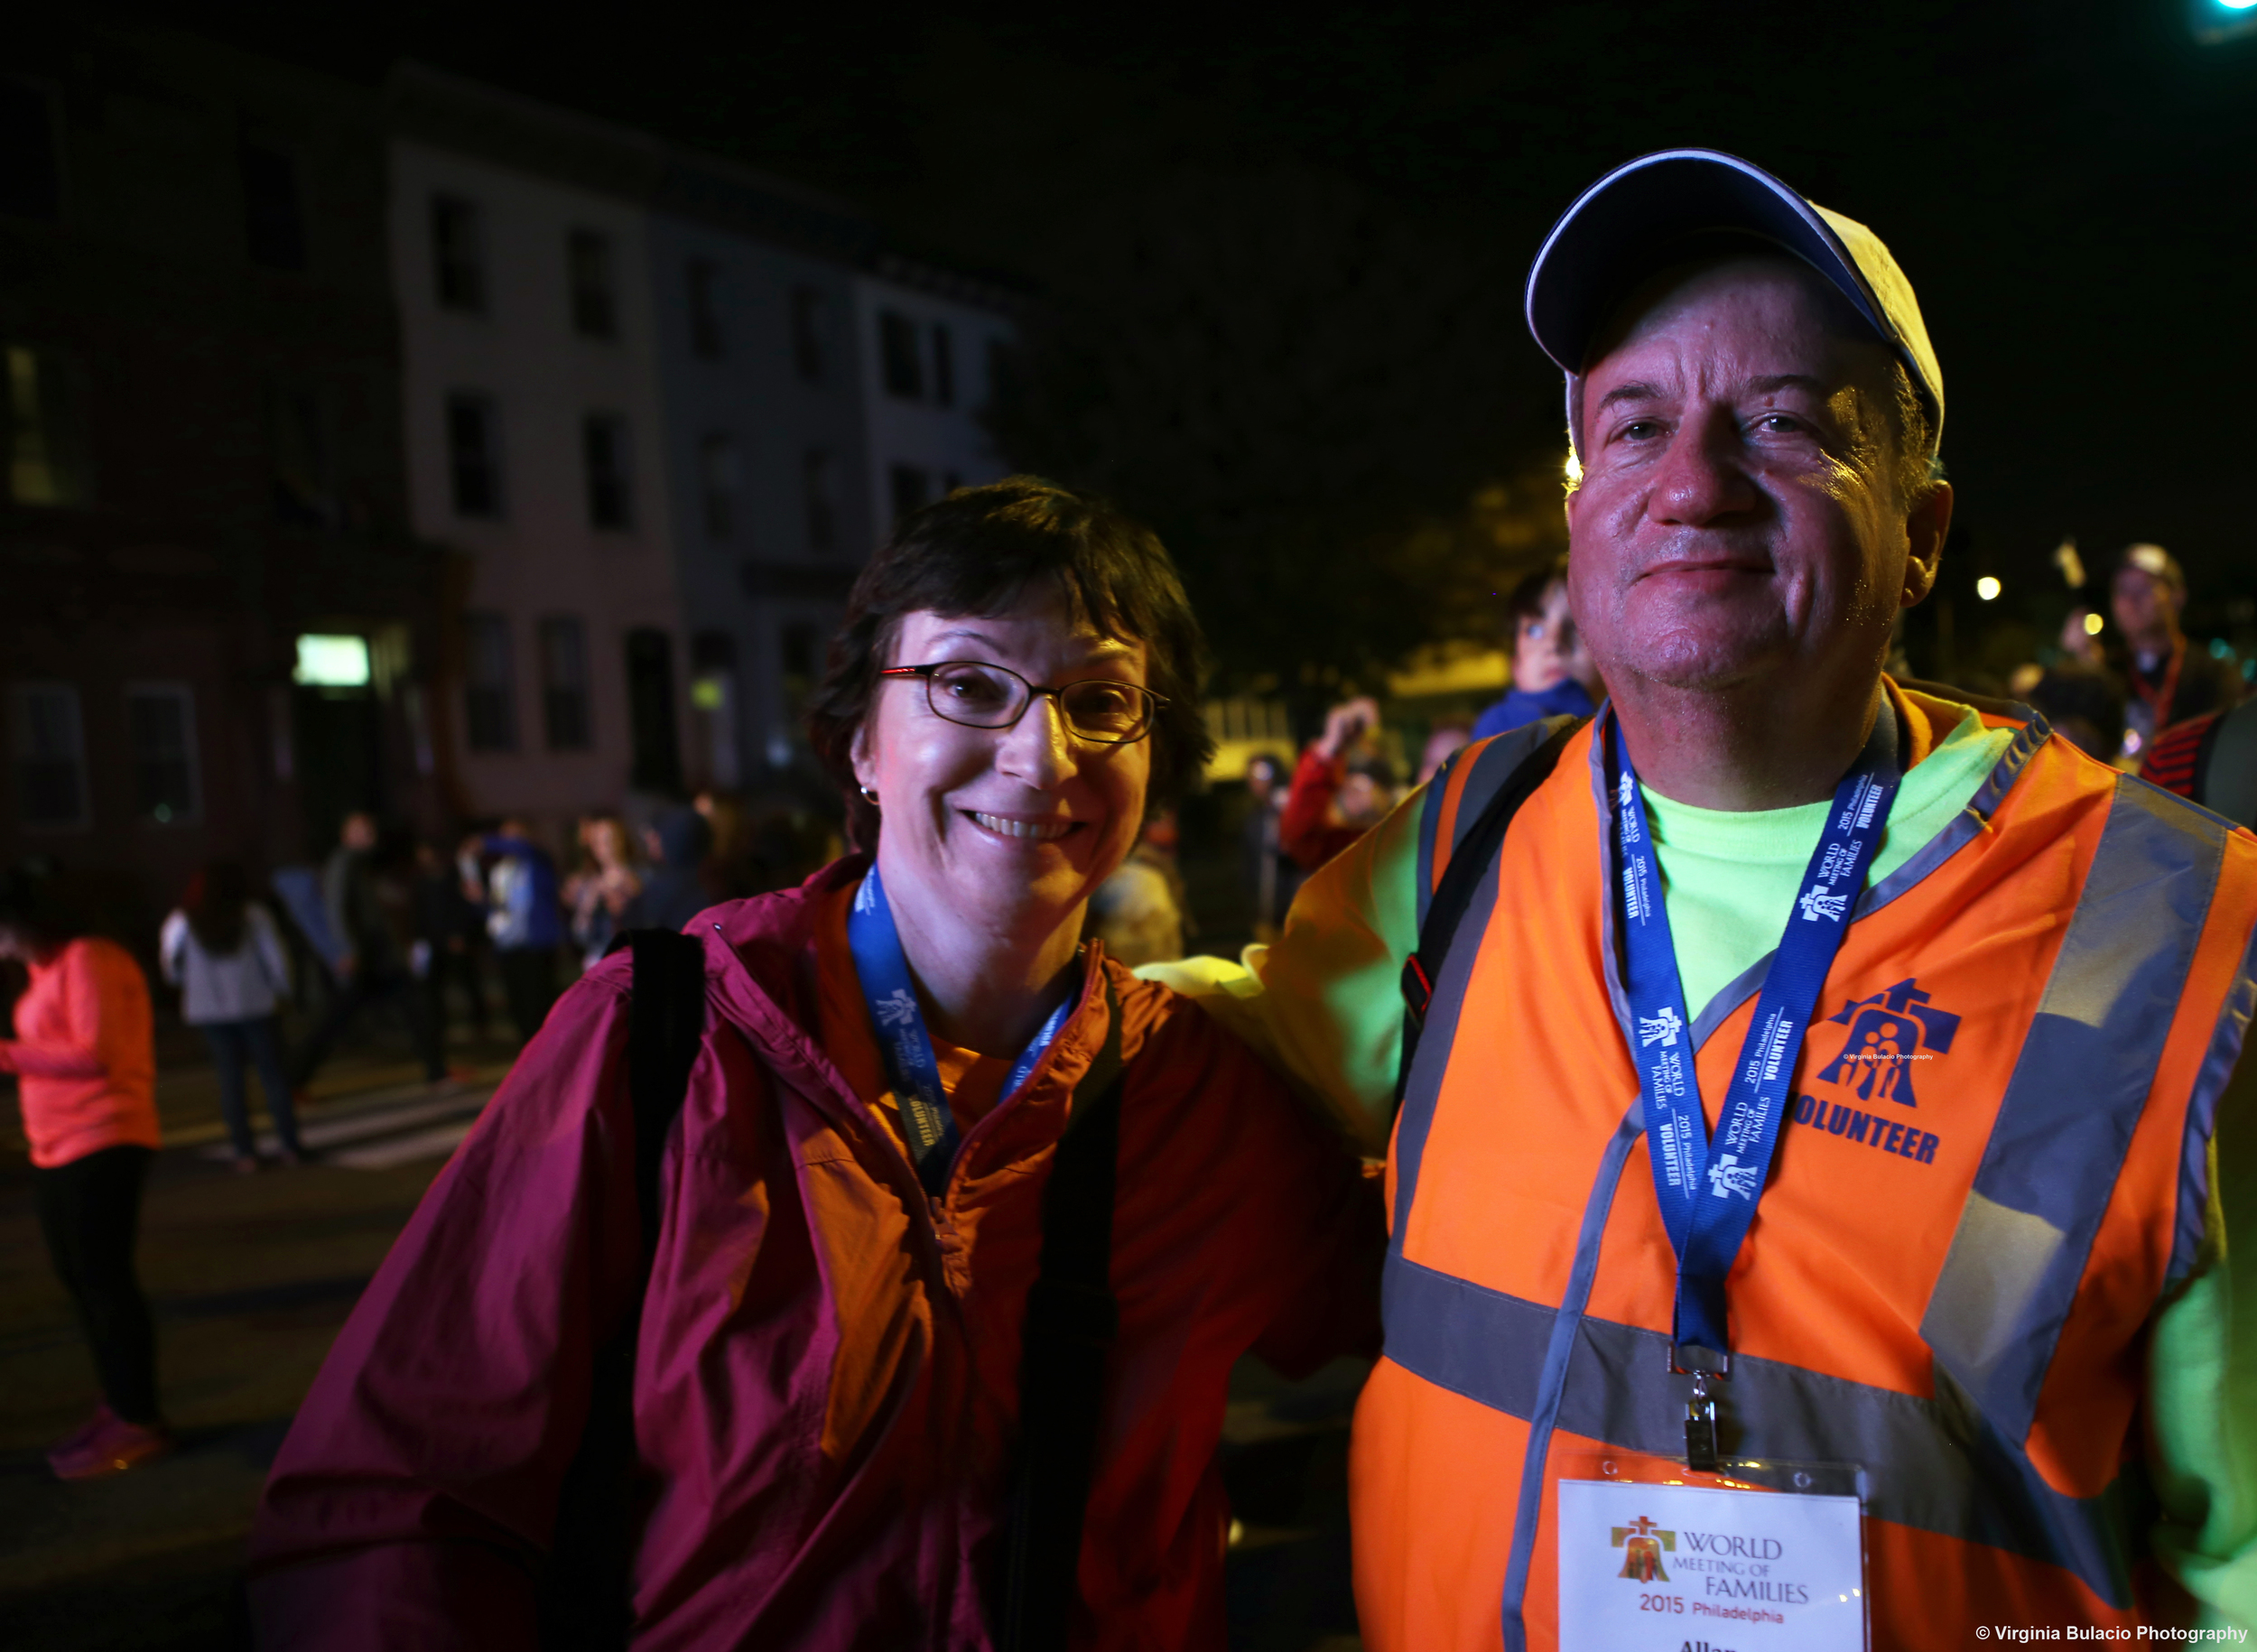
(225, 953)
(1343, 788)
(1552, 671)
(84, 1055)
(673, 889)
(450, 940)
(1270, 875)
(733, 866)
(2170, 682)
(2085, 704)
(603, 887)
(1441, 745)
(525, 916)
(370, 910)
(1139, 912)
(2080, 639)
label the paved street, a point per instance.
(251, 1278)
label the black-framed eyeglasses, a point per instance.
(1102, 710)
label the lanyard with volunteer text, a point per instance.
(1708, 1190)
(899, 1023)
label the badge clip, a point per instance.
(1702, 1364)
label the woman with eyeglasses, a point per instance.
(961, 1226)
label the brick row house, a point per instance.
(205, 465)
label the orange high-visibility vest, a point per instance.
(1950, 1273)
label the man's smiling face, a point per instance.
(1738, 514)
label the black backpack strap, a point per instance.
(665, 1026)
(1466, 862)
(583, 1594)
(1072, 1319)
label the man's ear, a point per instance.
(1925, 528)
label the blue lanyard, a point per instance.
(1708, 1190)
(907, 1047)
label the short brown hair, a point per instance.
(977, 553)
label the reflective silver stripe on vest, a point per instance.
(1933, 1464)
(1494, 761)
(2077, 1092)
(2219, 1063)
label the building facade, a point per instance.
(204, 467)
(649, 399)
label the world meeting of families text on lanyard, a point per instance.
(907, 1048)
(1775, 1570)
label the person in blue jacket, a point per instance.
(1552, 672)
(525, 916)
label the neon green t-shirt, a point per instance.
(1730, 880)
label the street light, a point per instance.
(1986, 587)
(2215, 21)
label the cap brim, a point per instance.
(1657, 198)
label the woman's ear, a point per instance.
(864, 766)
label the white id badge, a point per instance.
(1718, 1563)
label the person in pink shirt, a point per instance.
(85, 1060)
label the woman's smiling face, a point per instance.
(1018, 825)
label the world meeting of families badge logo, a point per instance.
(1643, 1542)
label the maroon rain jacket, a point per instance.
(825, 1379)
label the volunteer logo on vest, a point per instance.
(1889, 1034)
(1641, 1542)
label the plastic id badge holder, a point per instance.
(1758, 1555)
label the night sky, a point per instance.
(2067, 186)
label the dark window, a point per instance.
(50, 752)
(704, 278)
(43, 417)
(491, 704)
(604, 456)
(943, 367)
(474, 457)
(274, 220)
(298, 436)
(823, 499)
(160, 724)
(595, 304)
(458, 264)
(656, 759)
(564, 721)
(912, 488)
(31, 174)
(898, 350)
(717, 472)
(811, 333)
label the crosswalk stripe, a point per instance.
(370, 1124)
(404, 1149)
